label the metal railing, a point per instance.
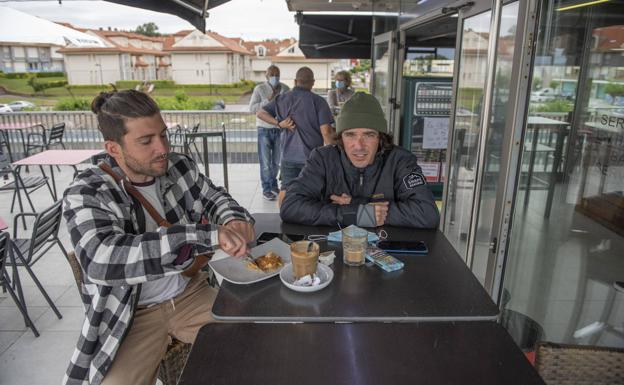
(81, 130)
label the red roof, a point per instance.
(228, 45)
(273, 47)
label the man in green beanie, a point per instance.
(363, 179)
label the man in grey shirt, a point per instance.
(307, 120)
(268, 134)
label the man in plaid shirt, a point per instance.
(135, 294)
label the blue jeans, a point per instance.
(290, 172)
(269, 156)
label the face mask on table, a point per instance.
(336, 236)
(274, 81)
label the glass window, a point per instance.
(381, 86)
(565, 255)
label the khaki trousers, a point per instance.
(140, 352)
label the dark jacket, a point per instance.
(394, 176)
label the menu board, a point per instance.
(435, 133)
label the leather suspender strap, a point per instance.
(135, 193)
(199, 261)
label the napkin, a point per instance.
(308, 280)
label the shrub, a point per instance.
(73, 104)
(126, 84)
(181, 96)
(181, 101)
(40, 86)
(26, 75)
(557, 105)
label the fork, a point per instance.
(250, 259)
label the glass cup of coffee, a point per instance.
(354, 242)
(304, 257)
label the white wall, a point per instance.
(191, 68)
(322, 72)
(82, 68)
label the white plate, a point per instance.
(325, 273)
(235, 270)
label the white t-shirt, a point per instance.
(165, 288)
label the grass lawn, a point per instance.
(21, 85)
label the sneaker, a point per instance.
(269, 196)
(275, 192)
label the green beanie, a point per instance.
(361, 111)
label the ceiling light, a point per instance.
(581, 5)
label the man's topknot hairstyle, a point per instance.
(114, 108)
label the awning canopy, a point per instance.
(336, 36)
(40, 31)
(193, 11)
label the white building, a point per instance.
(198, 58)
(125, 56)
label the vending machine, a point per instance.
(425, 125)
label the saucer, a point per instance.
(325, 273)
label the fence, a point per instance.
(82, 133)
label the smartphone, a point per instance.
(407, 247)
(288, 238)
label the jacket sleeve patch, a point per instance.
(413, 180)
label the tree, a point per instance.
(147, 29)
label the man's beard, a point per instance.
(143, 169)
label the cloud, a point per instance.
(249, 19)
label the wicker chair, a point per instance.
(175, 358)
(560, 364)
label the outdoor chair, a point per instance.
(7, 284)
(27, 185)
(179, 140)
(4, 142)
(560, 364)
(43, 237)
(45, 139)
(177, 352)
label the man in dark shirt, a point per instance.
(305, 120)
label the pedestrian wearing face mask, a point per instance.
(268, 134)
(343, 92)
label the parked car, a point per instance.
(545, 94)
(20, 105)
(5, 108)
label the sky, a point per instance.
(248, 19)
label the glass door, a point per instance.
(472, 53)
(483, 247)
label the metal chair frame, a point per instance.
(54, 138)
(28, 184)
(8, 284)
(4, 141)
(179, 140)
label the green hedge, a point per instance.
(125, 84)
(26, 75)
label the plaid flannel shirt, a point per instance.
(116, 257)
